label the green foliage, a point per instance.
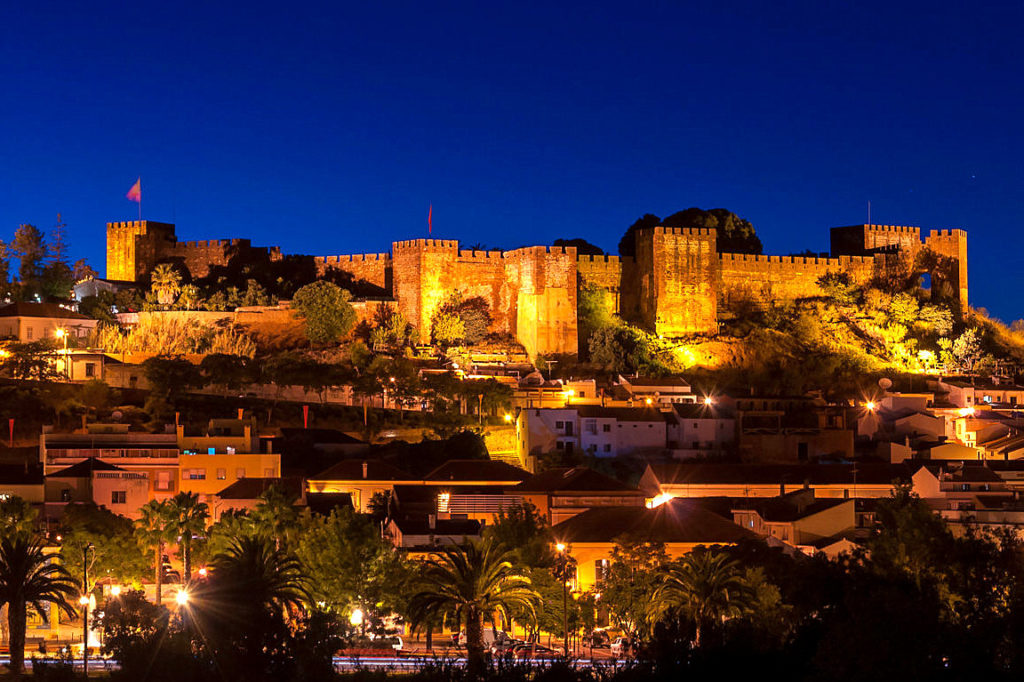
(95, 395)
(165, 281)
(351, 565)
(839, 287)
(735, 235)
(115, 554)
(461, 320)
(627, 245)
(169, 380)
(325, 307)
(186, 517)
(629, 586)
(34, 360)
(625, 349)
(523, 529)
(582, 246)
(228, 371)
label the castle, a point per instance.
(675, 286)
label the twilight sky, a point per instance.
(329, 127)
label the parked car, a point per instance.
(504, 646)
(621, 647)
(599, 639)
(534, 652)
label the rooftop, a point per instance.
(45, 310)
(575, 479)
(353, 470)
(679, 521)
(684, 473)
(252, 488)
(477, 470)
(622, 414)
(85, 468)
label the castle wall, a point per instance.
(423, 275)
(544, 281)
(678, 277)
(860, 240)
(952, 244)
(374, 268)
(482, 273)
(766, 278)
(200, 256)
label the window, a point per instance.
(28, 333)
(240, 472)
(559, 445)
(163, 480)
(607, 447)
(65, 495)
(90, 369)
(601, 567)
(222, 474)
(559, 425)
(119, 497)
(606, 428)
(268, 473)
(194, 474)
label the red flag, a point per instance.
(430, 220)
(135, 193)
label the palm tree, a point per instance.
(187, 518)
(154, 528)
(471, 582)
(261, 574)
(708, 587)
(166, 282)
(275, 515)
(30, 577)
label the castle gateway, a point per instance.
(675, 286)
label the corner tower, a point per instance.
(133, 247)
(678, 278)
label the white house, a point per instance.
(26, 322)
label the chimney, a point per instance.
(366, 468)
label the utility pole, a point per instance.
(85, 609)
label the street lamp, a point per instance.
(84, 601)
(564, 561)
(115, 591)
(182, 597)
(508, 418)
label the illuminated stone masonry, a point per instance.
(674, 287)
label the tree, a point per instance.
(187, 518)
(838, 287)
(30, 361)
(166, 283)
(16, 516)
(471, 582)
(627, 245)
(707, 587)
(169, 379)
(629, 584)
(351, 565)
(275, 517)
(237, 616)
(95, 395)
(967, 351)
(29, 577)
(733, 234)
(115, 554)
(30, 248)
(189, 298)
(154, 530)
(228, 371)
(325, 307)
(447, 329)
(526, 531)
(582, 246)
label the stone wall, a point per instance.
(374, 268)
(952, 244)
(766, 278)
(678, 278)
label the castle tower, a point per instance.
(677, 269)
(422, 276)
(951, 245)
(133, 247)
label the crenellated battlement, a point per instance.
(683, 231)
(905, 229)
(432, 244)
(606, 259)
(351, 258)
(960, 234)
(470, 256)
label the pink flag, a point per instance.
(430, 220)
(135, 193)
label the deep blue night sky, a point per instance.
(330, 127)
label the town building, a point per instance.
(560, 493)
(27, 322)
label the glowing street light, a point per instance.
(560, 547)
(709, 401)
(115, 591)
(181, 597)
(870, 406)
(508, 418)
(356, 617)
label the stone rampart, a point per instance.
(766, 278)
(374, 268)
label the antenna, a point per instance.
(869, 211)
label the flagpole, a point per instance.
(140, 198)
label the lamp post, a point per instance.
(84, 601)
(564, 562)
